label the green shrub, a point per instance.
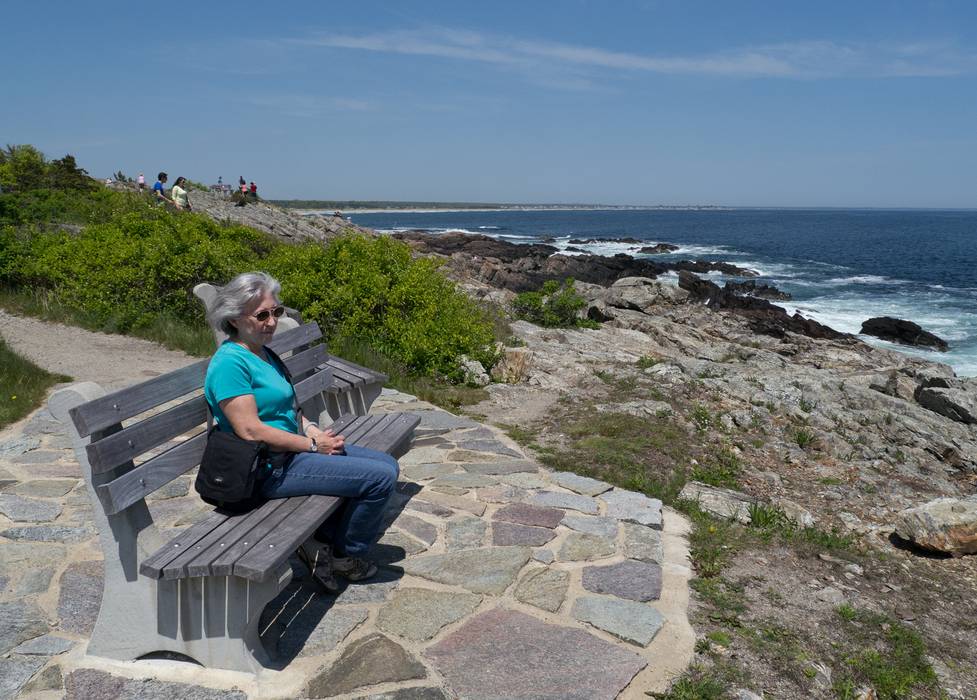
(555, 305)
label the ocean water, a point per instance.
(841, 266)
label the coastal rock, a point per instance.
(723, 503)
(957, 404)
(474, 372)
(764, 318)
(943, 525)
(657, 249)
(903, 332)
(642, 294)
(753, 289)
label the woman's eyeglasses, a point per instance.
(263, 316)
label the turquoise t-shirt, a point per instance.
(234, 371)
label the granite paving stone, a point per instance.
(434, 421)
(15, 671)
(19, 445)
(429, 508)
(23, 556)
(314, 626)
(37, 457)
(625, 619)
(633, 580)
(393, 547)
(580, 484)
(633, 507)
(19, 621)
(525, 480)
(526, 514)
(573, 501)
(493, 446)
(485, 570)
(501, 494)
(582, 546)
(34, 580)
(545, 556)
(544, 587)
(421, 692)
(367, 661)
(451, 490)
(468, 456)
(45, 645)
(424, 455)
(419, 613)
(421, 529)
(44, 488)
(422, 472)
(479, 433)
(465, 480)
(81, 595)
(504, 533)
(508, 654)
(642, 543)
(500, 468)
(43, 423)
(88, 683)
(48, 533)
(28, 510)
(49, 678)
(464, 533)
(468, 505)
(594, 525)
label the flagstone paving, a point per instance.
(499, 579)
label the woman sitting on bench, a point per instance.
(249, 394)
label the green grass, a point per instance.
(804, 438)
(720, 468)
(887, 655)
(646, 361)
(23, 385)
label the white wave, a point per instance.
(865, 279)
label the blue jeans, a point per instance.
(365, 477)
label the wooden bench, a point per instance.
(353, 388)
(201, 592)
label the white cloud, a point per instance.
(806, 59)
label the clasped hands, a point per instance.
(327, 442)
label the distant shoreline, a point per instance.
(448, 210)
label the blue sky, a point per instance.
(656, 102)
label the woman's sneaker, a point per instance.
(319, 560)
(354, 568)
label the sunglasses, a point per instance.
(263, 316)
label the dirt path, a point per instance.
(112, 361)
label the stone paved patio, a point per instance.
(500, 580)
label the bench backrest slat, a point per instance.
(289, 340)
(301, 363)
(129, 488)
(152, 432)
(361, 372)
(312, 386)
(125, 403)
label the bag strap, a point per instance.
(288, 377)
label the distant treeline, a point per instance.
(364, 204)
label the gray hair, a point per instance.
(233, 298)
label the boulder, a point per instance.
(894, 384)
(475, 373)
(943, 525)
(957, 404)
(642, 293)
(752, 289)
(723, 503)
(903, 332)
(658, 249)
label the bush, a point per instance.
(137, 264)
(555, 305)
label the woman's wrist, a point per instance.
(312, 430)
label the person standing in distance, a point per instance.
(159, 189)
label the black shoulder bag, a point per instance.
(232, 468)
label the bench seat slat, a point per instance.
(153, 565)
(357, 431)
(119, 494)
(125, 403)
(375, 430)
(295, 338)
(278, 544)
(224, 564)
(115, 449)
(303, 362)
(394, 433)
(228, 532)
